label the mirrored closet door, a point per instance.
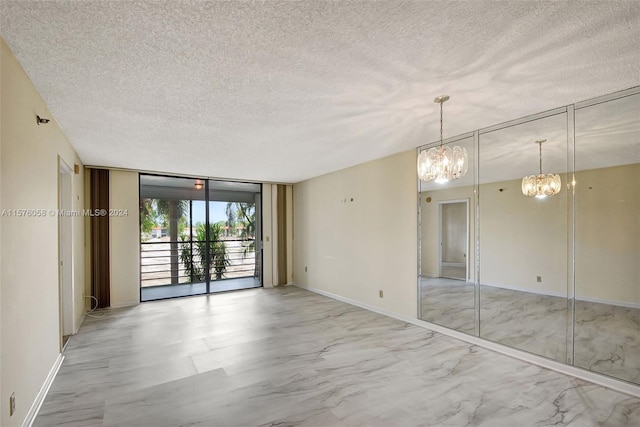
(447, 263)
(523, 277)
(607, 237)
(550, 210)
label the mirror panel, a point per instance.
(523, 240)
(560, 276)
(607, 238)
(447, 228)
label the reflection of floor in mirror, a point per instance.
(531, 322)
(449, 303)
(454, 272)
(607, 337)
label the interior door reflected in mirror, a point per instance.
(454, 242)
(447, 290)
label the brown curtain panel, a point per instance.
(281, 197)
(100, 276)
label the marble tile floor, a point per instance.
(453, 272)
(448, 302)
(607, 337)
(289, 357)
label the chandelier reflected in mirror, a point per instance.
(442, 164)
(541, 186)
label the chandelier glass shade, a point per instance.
(444, 163)
(541, 185)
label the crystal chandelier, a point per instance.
(442, 164)
(541, 185)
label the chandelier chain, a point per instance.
(540, 144)
(441, 124)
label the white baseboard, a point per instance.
(609, 302)
(453, 264)
(124, 304)
(523, 289)
(618, 385)
(37, 403)
(563, 295)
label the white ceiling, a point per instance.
(284, 91)
(607, 133)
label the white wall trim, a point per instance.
(453, 264)
(80, 322)
(124, 304)
(562, 368)
(524, 289)
(555, 294)
(609, 302)
(37, 403)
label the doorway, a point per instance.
(65, 259)
(454, 239)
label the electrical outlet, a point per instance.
(12, 404)
(539, 279)
(381, 294)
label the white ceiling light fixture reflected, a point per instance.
(541, 186)
(442, 164)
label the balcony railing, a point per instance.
(165, 262)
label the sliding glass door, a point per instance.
(233, 218)
(198, 236)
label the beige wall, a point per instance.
(2, 55)
(512, 229)
(30, 328)
(455, 239)
(89, 303)
(290, 234)
(268, 235)
(608, 234)
(522, 238)
(429, 227)
(125, 243)
(355, 231)
(124, 233)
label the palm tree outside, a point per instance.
(193, 254)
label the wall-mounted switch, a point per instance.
(539, 279)
(305, 268)
(381, 293)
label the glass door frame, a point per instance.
(258, 257)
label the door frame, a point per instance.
(66, 303)
(466, 262)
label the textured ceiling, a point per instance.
(284, 91)
(607, 133)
